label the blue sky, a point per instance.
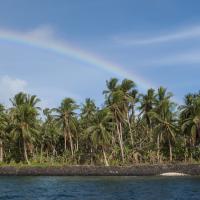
(156, 42)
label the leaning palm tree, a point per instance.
(128, 87)
(66, 117)
(100, 131)
(120, 99)
(115, 102)
(24, 115)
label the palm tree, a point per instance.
(115, 102)
(147, 103)
(120, 99)
(3, 126)
(190, 119)
(88, 112)
(163, 115)
(24, 115)
(130, 99)
(66, 117)
(50, 133)
(100, 131)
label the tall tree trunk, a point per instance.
(170, 151)
(25, 153)
(191, 150)
(158, 148)
(91, 156)
(120, 140)
(71, 143)
(47, 152)
(68, 131)
(186, 149)
(65, 139)
(149, 133)
(105, 157)
(77, 144)
(41, 152)
(1, 150)
(130, 129)
(53, 150)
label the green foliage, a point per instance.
(130, 128)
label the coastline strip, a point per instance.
(136, 170)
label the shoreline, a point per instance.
(136, 170)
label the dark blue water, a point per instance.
(99, 188)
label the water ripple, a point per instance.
(99, 188)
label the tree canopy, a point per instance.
(129, 128)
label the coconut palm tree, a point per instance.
(115, 102)
(164, 118)
(66, 117)
(49, 134)
(147, 103)
(3, 126)
(190, 117)
(88, 112)
(130, 99)
(121, 99)
(100, 131)
(24, 115)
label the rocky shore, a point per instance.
(137, 170)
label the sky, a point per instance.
(66, 48)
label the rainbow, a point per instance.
(66, 49)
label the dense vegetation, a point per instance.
(129, 128)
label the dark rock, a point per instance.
(137, 170)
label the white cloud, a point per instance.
(9, 87)
(175, 60)
(42, 33)
(186, 33)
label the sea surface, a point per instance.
(99, 188)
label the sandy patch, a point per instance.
(173, 174)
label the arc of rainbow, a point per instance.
(74, 52)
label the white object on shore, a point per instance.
(173, 174)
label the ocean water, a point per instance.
(99, 188)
